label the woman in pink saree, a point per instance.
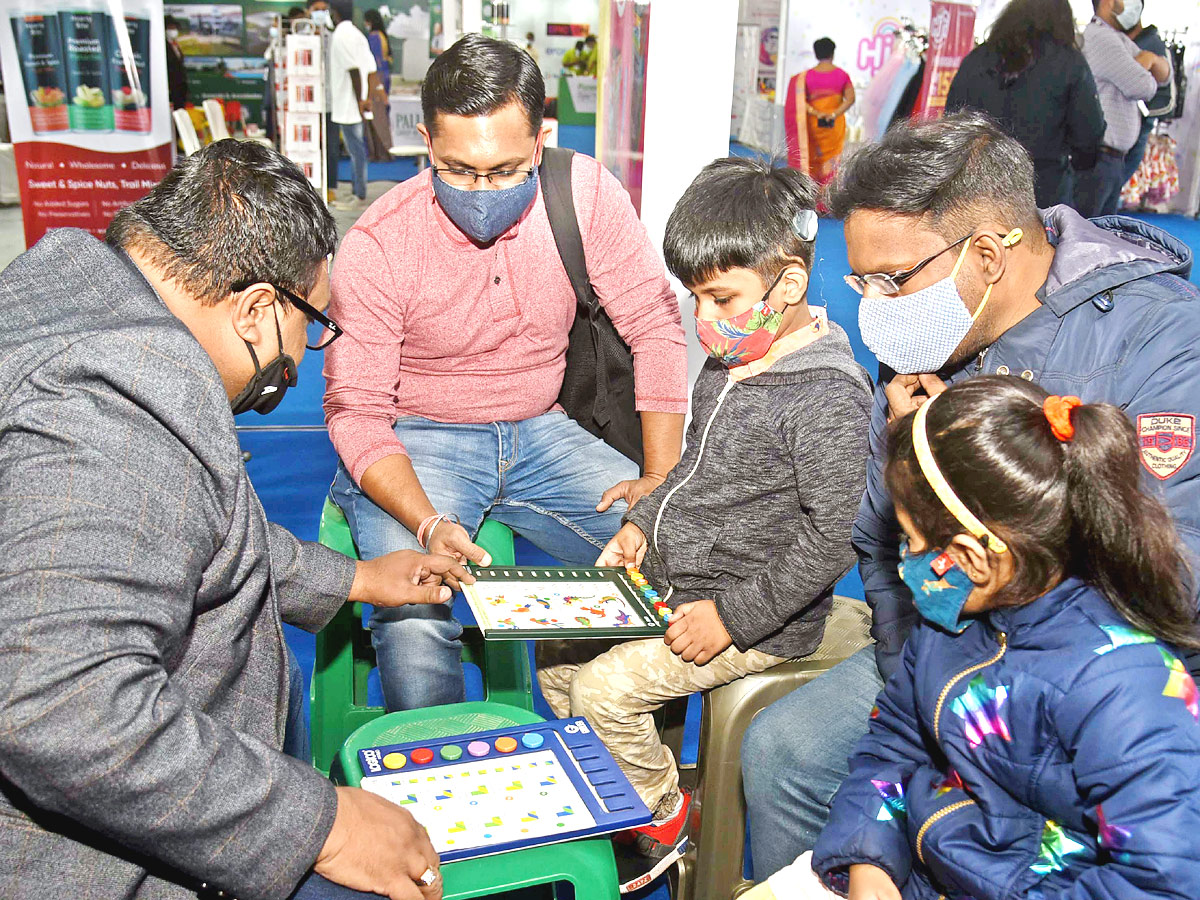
(817, 102)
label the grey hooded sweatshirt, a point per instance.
(757, 514)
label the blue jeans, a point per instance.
(296, 740)
(356, 146)
(1133, 158)
(542, 477)
(333, 153)
(795, 756)
(1098, 190)
(314, 887)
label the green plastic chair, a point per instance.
(587, 863)
(345, 657)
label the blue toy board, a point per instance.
(517, 787)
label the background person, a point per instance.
(962, 276)
(352, 82)
(441, 402)
(1148, 39)
(573, 61)
(141, 626)
(826, 93)
(177, 83)
(1030, 76)
(1124, 75)
(377, 39)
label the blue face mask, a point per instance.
(939, 587)
(484, 215)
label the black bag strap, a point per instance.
(555, 176)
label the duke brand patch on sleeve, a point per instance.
(1166, 441)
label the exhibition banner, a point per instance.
(951, 37)
(87, 108)
(621, 123)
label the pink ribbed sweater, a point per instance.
(439, 328)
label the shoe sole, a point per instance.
(676, 853)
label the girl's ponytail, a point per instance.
(1123, 539)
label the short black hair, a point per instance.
(343, 10)
(235, 212)
(823, 48)
(953, 171)
(168, 21)
(590, 39)
(479, 75)
(738, 214)
(295, 12)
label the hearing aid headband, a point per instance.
(942, 488)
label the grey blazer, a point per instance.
(143, 679)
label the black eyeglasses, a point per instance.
(888, 285)
(329, 330)
(465, 178)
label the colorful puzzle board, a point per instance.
(512, 603)
(507, 789)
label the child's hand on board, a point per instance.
(871, 883)
(697, 633)
(627, 548)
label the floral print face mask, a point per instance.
(742, 338)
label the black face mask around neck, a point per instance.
(265, 390)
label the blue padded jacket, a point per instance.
(1118, 324)
(1049, 752)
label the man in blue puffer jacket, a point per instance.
(985, 283)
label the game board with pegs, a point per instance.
(484, 793)
(514, 603)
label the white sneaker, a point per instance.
(351, 204)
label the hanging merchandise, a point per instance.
(885, 90)
(1156, 181)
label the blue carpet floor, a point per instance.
(292, 461)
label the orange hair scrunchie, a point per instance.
(1058, 413)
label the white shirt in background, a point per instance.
(348, 49)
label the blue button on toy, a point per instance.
(532, 740)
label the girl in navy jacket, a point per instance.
(1040, 739)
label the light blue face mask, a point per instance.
(484, 215)
(918, 332)
(939, 587)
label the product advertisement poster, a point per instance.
(94, 131)
(951, 37)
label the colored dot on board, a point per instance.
(394, 761)
(562, 824)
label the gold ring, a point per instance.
(428, 877)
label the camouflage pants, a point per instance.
(618, 691)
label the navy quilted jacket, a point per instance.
(1049, 751)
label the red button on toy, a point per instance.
(422, 756)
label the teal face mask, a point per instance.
(939, 587)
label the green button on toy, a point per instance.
(451, 752)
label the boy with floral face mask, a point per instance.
(750, 532)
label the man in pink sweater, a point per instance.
(441, 398)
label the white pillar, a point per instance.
(689, 95)
(471, 20)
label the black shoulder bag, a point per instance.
(597, 389)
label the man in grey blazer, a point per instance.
(143, 677)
